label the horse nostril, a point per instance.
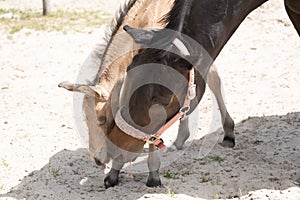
(102, 120)
(98, 162)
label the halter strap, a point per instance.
(181, 46)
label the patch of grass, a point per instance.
(5, 11)
(2, 187)
(5, 163)
(204, 179)
(54, 171)
(171, 175)
(214, 197)
(185, 173)
(202, 161)
(170, 191)
(176, 175)
(215, 182)
(59, 21)
(216, 158)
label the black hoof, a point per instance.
(228, 142)
(110, 181)
(153, 182)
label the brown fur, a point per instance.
(143, 14)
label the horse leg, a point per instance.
(183, 134)
(153, 166)
(292, 8)
(112, 178)
(214, 83)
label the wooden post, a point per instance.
(47, 8)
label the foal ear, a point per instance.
(140, 36)
(99, 92)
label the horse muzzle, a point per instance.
(99, 157)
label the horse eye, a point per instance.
(102, 120)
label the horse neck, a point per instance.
(121, 49)
(214, 21)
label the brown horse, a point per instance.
(111, 60)
(195, 33)
(293, 10)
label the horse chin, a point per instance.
(100, 157)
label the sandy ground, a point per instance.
(43, 157)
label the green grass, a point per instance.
(176, 175)
(2, 187)
(171, 175)
(64, 21)
(54, 171)
(215, 182)
(216, 158)
(214, 197)
(4, 163)
(204, 179)
(170, 191)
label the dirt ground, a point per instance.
(43, 157)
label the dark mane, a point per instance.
(110, 31)
(117, 21)
(176, 17)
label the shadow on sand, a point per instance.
(266, 156)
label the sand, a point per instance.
(43, 156)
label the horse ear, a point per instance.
(140, 36)
(98, 92)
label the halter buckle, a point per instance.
(158, 142)
(185, 109)
(152, 139)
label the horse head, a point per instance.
(112, 63)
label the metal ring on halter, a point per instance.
(152, 139)
(184, 110)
